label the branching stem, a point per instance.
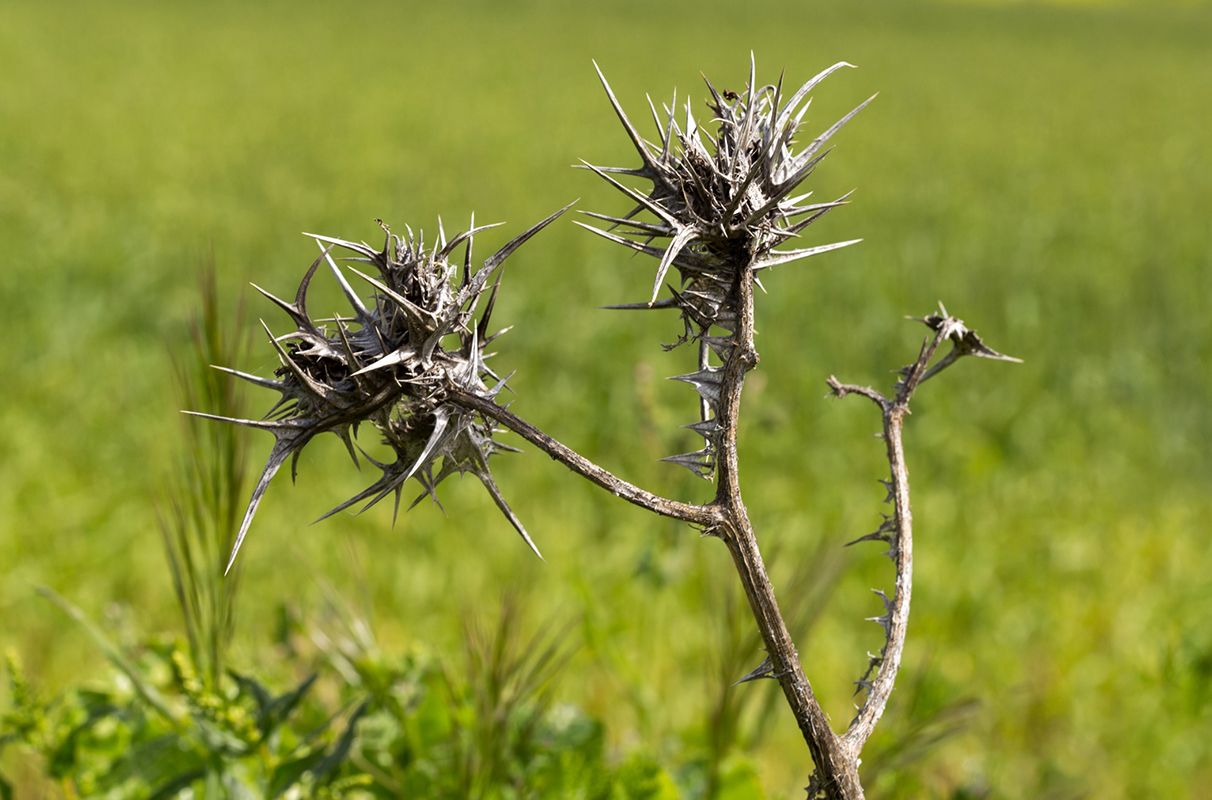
(836, 757)
(706, 516)
(899, 537)
(726, 518)
(836, 767)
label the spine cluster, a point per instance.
(392, 363)
(719, 210)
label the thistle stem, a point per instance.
(898, 613)
(837, 765)
(900, 538)
(706, 516)
(726, 517)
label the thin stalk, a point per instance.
(837, 768)
(705, 516)
(897, 618)
(898, 534)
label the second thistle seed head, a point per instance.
(392, 364)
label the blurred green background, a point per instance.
(1045, 170)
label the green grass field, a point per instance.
(1046, 171)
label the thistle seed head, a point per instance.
(719, 210)
(391, 364)
(728, 206)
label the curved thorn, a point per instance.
(351, 296)
(489, 484)
(264, 383)
(277, 457)
(786, 256)
(788, 109)
(496, 258)
(683, 238)
(640, 145)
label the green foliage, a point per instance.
(1044, 167)
(405, 727)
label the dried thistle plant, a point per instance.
(392, 365)
(718, 211)
(723, 210)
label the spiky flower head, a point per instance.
(723, 208)
(391, 364)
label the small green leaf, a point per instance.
(236, 790)
(642, 778)
(64, 759)
(340, 751)
(288, 772)
(174, 786)
(284, 705)
(251, 687)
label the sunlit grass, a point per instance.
(1045, 171)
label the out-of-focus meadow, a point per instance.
(1045, 171)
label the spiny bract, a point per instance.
(391, 364)
(723, 210)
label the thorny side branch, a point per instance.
(897, 531)
(705, 516)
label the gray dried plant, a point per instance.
(411, 362)
(723, 208)
(391, 364)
